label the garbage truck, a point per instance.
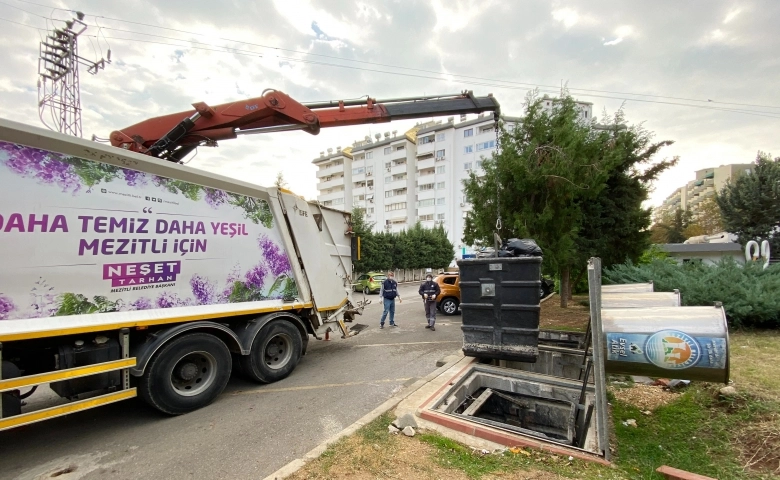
(129, 274)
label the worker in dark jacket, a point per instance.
(429, 291)
(389, 291)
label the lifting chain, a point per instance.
(498, 198)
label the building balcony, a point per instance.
(422, 149)
(324, 172)
(396, 184)
(398, 169)
(425, 194)
(336, 182)
(427, 163)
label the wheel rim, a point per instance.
(449, 306)
(278, 351)
(193, 373)
(366, 290)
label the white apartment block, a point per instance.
(417, 176)
(703, 186)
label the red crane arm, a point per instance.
(173, 136)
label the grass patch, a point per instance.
(697, 433)
(752, 352)
(452, 455)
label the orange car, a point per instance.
(449, 300)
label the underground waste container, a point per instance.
(500, 307)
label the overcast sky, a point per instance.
(674, 56)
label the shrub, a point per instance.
(750, 294)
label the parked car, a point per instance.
(370, 282)
(449, 300)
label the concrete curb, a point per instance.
(390, 403)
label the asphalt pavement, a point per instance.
(251, 430)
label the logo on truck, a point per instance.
(141, 275)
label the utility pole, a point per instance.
(59, 97)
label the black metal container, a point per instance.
(500, 307)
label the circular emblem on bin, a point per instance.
(672, 349)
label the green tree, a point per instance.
(548, 166)
(671, 228)
(615, 227)
(708, 216)
(280, 182)
(750, 204)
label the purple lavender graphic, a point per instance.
(170, 300)
(275, 257)
(134, 178)
(203, 290)
(6, 307)
(255, 276)
(142, 303)
(44, 166)
(215, 198)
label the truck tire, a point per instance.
(188, 373)
(275, 352)
(449, 306)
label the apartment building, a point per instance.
(703, 186)
(416, 176)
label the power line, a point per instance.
(242, 52)
(503, 83)
(398, 66)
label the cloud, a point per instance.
(732, 15)
(567, 16)
(621, 33)
(456, 15)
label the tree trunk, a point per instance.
(576, 282)
(565, 287)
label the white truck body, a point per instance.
(104, 245)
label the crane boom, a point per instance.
(173, 136)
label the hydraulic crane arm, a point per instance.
(172, 137)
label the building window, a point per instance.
(369, 155)
(428, 139)
(426, 186)
(388, 150)
(328, 203)
(428, 202)
(440, 137)
(440, 216)
(439, 153)
(486, 129)
(370, 210)
(338, 201)
(370, 170)
(426, 218)
(469, 132)
(468, 149)
(467, 166)
(486, 145)
(358, 171)
(395, 206)
(389, 194)
(401, 147)
(358, 198)
(440, 186)
(479, 163)
(441, 169)
(440, 201)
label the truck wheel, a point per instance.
(275, 352)
(186, 374)
(449, 306)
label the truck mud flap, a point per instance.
(357, 328)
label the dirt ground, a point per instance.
(398, 457)
(574, 318)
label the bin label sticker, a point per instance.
(668, 349)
